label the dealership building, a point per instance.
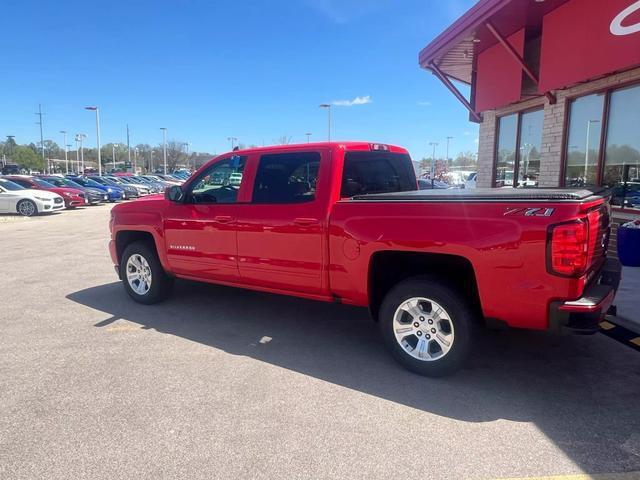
(555, 87)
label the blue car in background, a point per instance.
(114, 193)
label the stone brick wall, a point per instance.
(552, 133)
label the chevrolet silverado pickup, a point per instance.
(345, 222)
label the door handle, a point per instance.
(223, 218)
(306, 222)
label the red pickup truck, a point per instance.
(344, 222)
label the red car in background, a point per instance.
(72, 196)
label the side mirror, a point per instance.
(174, 194)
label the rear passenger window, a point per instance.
(287, 178)
(377, 172)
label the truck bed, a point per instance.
(485, 195)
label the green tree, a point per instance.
(26, 158)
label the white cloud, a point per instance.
(467, 134)
(356, 101)
(426, 103)
(476, 140)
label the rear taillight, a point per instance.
(569, 248)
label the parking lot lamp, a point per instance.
(328, 107)
(66, 153)
(164, 147)
(97, 110)
(308, 134)
(113, 154)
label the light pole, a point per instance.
(128, 148)
(66, 153)
(97, 110)
(150, 161)
(433, 160)
(328, 107)
(68, 147)
(77, 154)
(113, 154)
(448, 140)
(232, 140)
(586, 155)
(79, 138)
(308, 134)
(135, 160)
(164, 147)
(186, 144)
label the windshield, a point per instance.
(42, 183)
(57, 182)
(9, 185)
(88, 183)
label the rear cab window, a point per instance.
(286, 178)
(377, 172)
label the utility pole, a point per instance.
(39, 122)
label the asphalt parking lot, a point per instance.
(225, 383)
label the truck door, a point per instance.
(281, 231)
(200, 233)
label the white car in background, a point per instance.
(26, 202)
(470, 182)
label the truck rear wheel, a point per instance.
(142, 274)
(427, 326)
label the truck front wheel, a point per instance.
(142, 274)
(427, 326)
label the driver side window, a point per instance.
(220, 183)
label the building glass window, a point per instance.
(519, 149)
(530, 145)
(618, 166)
(622, 153)
(583, 141)
(506, 152)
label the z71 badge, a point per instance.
(530, 212)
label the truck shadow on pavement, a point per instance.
(582, 392)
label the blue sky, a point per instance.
(208, 70)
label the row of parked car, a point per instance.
(29, 195)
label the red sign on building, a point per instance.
(585, 39)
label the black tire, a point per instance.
(26, 208)
(457, 308)
(161, 283)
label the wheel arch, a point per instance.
(126, 237)
(388, 268)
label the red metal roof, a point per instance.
(454, 50)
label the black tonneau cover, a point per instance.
(484, 195)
